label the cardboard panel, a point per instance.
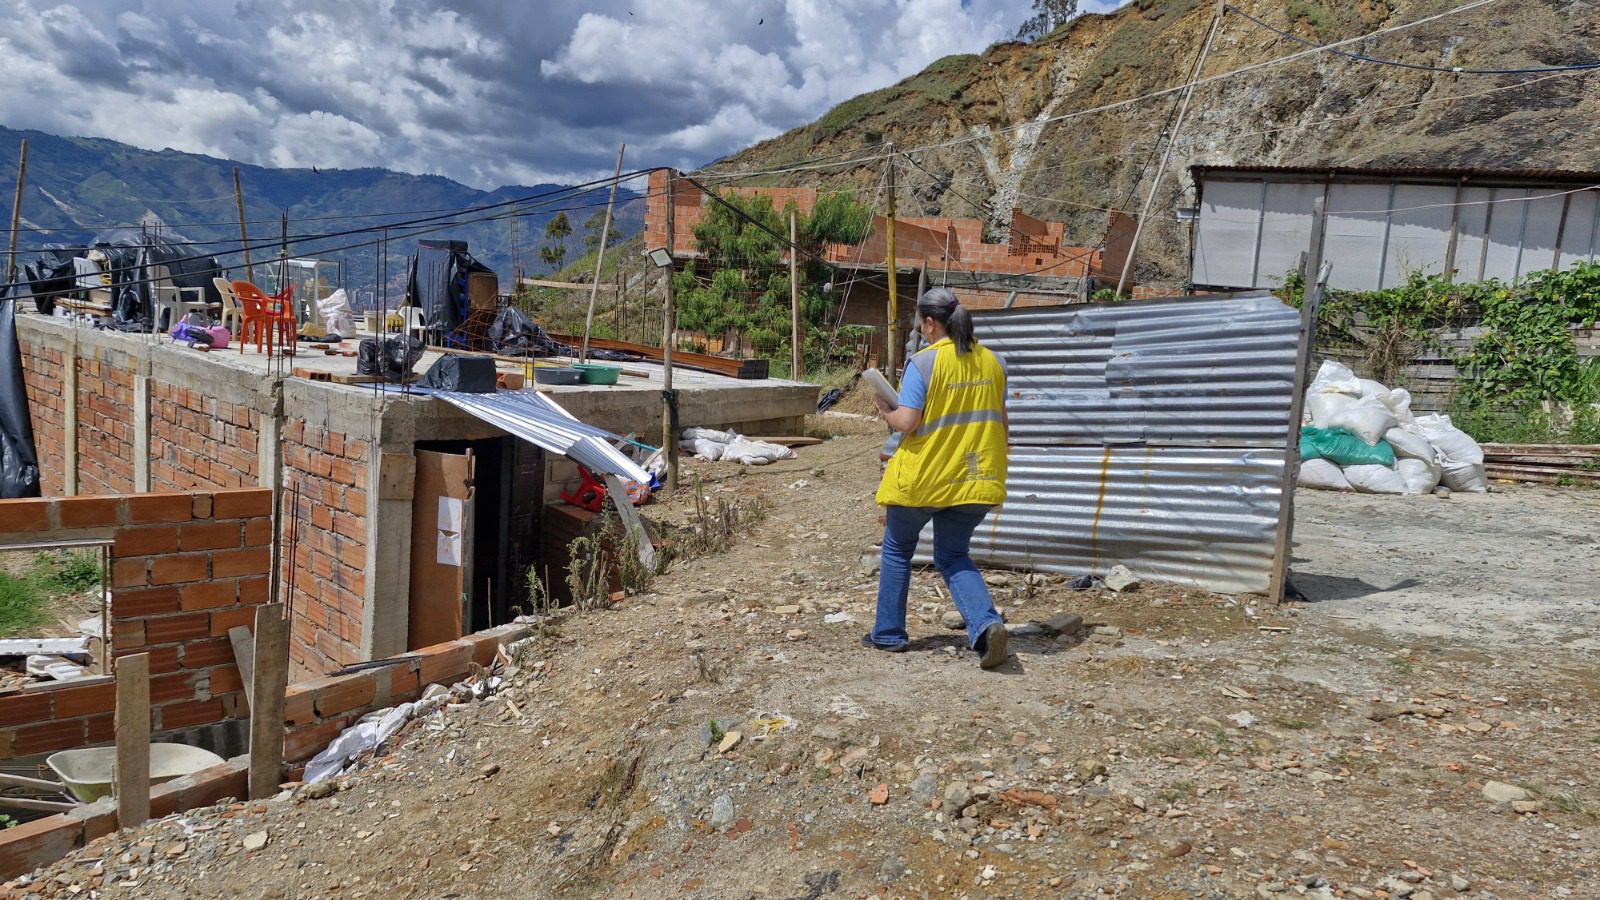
(441, 546)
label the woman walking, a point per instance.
(950, 468)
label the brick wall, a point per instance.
(329, 470)
(201, 441)
(42, 380)
(185, 567)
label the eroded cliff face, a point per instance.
(1005, 128)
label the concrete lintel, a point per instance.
(141, 422)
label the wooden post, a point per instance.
(16, 214)
(132, 729)
(271, 676)
(891, 349)
(1316, 277)
(600, 257)
(1172, 140)
(244, 236)
(669, 331)
(797, 363)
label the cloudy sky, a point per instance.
(487, 92)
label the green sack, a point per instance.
(1343, 448)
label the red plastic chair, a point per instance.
(272, 317)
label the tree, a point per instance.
(740, 283)
(591, 232)
(1048, 15)
(556, 232)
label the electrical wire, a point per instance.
(1454, 70)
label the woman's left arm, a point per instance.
(904, 419)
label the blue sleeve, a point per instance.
(913, 389)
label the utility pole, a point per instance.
(16, 215)
(244, 236)
(669, 329)
(798, 355)
(1172, 140)
(892, 337)
(600, 257)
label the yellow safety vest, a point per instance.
(957, 455)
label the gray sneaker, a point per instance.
(994, 646)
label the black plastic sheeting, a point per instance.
(130, 254)
(393, 359)
(438, 285)
(19, 460)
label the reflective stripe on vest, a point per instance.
(957, 455)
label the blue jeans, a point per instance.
(952, 538)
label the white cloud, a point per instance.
(480, 90)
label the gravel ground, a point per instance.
(1425, 727)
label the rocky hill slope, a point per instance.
(1002, 131)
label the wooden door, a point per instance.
(441, 547)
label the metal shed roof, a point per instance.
(541, 421)
(1389, 173)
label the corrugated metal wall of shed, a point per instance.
(1147, 433)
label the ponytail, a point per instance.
(960, 326)
(940, 304)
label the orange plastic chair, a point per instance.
(271, 317)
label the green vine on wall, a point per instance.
(1525, 358)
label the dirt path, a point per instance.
(1171, 749)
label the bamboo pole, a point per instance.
(797, 361)
(1172, 140)
(244, 235)
(600, 256)
(669, 330)
(16, 214)
(892, 336)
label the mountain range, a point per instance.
(78, 188)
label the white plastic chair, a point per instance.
(232, 312)
(414, 325)
(169, 299)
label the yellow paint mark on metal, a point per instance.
(1099, 507)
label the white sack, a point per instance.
(1398, 402)
(1467, 477)
(1367, 419)
(1334, 389)
(755, 453)
(1453, 444)
(703, 448)
(1323, 475)
(1370, 388)
(1408, 444)
(337, 318)
(709, 434)
(1375, 479)
(1421, 476)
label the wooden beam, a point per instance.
(560, 285)
(271, 659)
(132, 730)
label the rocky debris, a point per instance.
(957, 797)
(788, 609)
(1119, 579)
(1500, 792)
(924, 788)
(1063, 623)
(255, 840)
(879, 795)
(722, 812)
(729, 741)
(953, 621)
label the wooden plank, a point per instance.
(439, 555)
(562, 285)
(132, 730)
(244, 656)
(271, 656)
(355, 379)
(719, 365)
(38, 784)
(39, 805)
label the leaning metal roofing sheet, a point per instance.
(1472, 176)
(1201, 373)
(1146, 433)
(539, 420)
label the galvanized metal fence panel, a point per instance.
(1149, 433)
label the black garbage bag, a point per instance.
(19, 459)
(470, 374)
(393, 358)
(514, 334)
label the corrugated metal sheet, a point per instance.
(541, 421)
(1201, 373)
(1147, 433)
